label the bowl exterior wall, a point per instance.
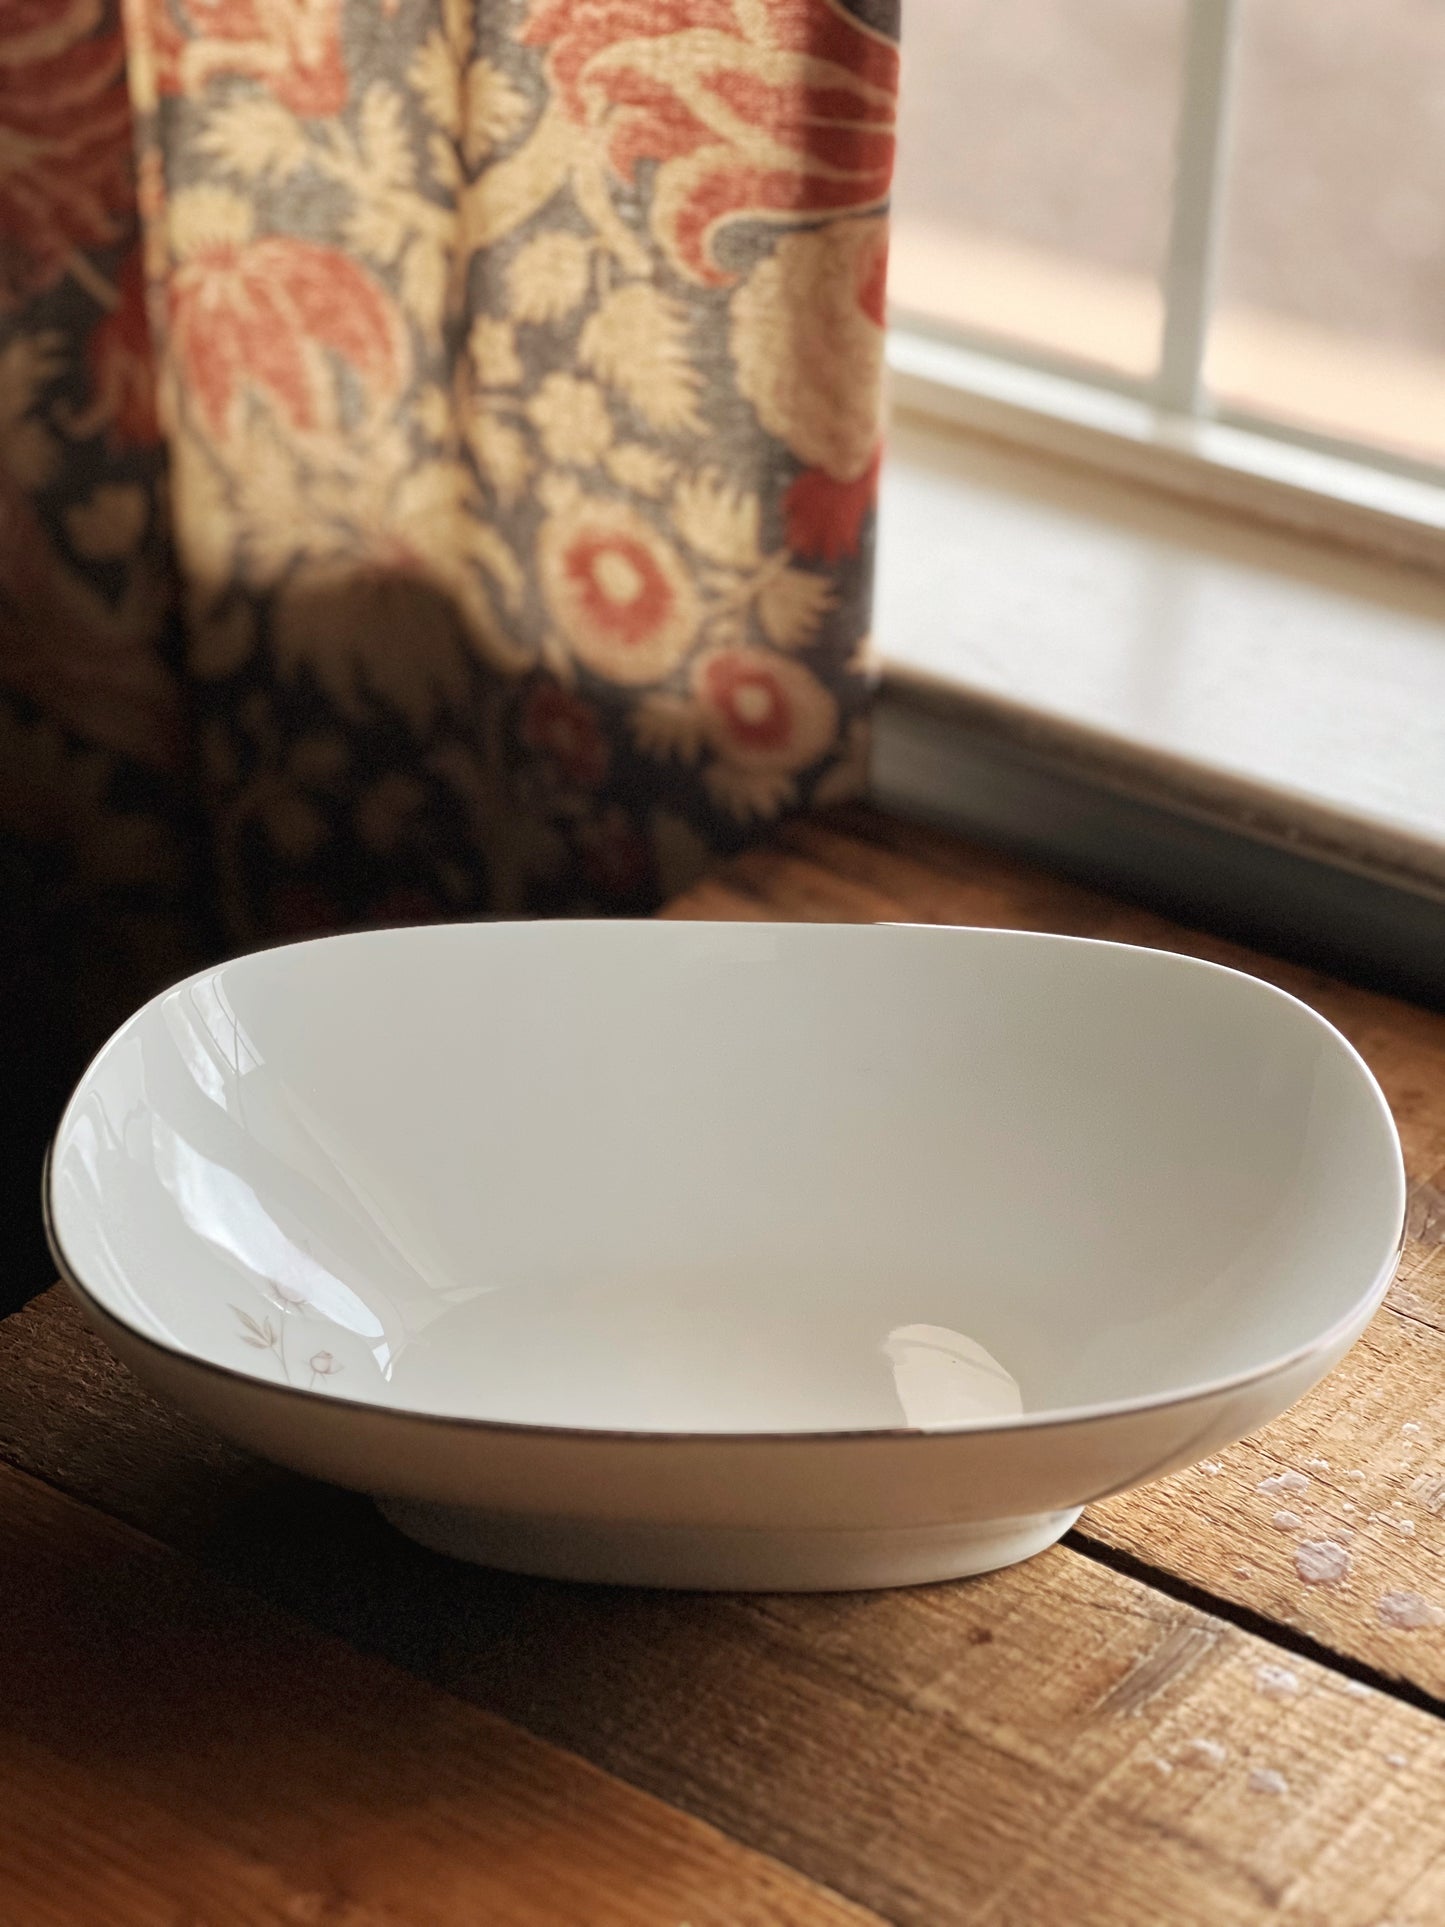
(859, 1482)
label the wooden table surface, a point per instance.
(231, 1695)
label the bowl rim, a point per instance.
(1354, 1319)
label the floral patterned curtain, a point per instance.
(438, 442)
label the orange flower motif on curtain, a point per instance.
(520, 366)
(620, 594)
(752, 109)
(751, 113)
(281, 317)
(491, 386)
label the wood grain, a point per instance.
(1055, 1744)
(1371, 1439)
(174, 1750)
(1368, 1442)
(1023, 1750)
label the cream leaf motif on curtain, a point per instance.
(486, 390)
(520, 361)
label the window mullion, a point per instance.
(1195, 228)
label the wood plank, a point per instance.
(173, 1749)
(1037, 1746)
(1057, 1743)
(1370, 1441)
(1356, 1468)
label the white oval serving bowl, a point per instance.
(728, 1255)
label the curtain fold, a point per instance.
(438, 446)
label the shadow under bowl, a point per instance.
(728, 1255)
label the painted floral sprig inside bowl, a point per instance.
(728, 1255)
(267, 1336)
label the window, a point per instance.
(1226, 215)
(1198, 245)
(1032, 202)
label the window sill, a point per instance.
(1159, 694)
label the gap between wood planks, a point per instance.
(1184, 1534)
(1026, 1748)
(1218, 1606)
(175, 1746)
(1157, 1578)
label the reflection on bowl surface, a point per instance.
(729, 1181)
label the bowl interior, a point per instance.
(726, 1177)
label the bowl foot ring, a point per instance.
(723, 1558)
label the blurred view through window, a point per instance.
(1035, 187)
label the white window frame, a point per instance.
(1166, 429)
